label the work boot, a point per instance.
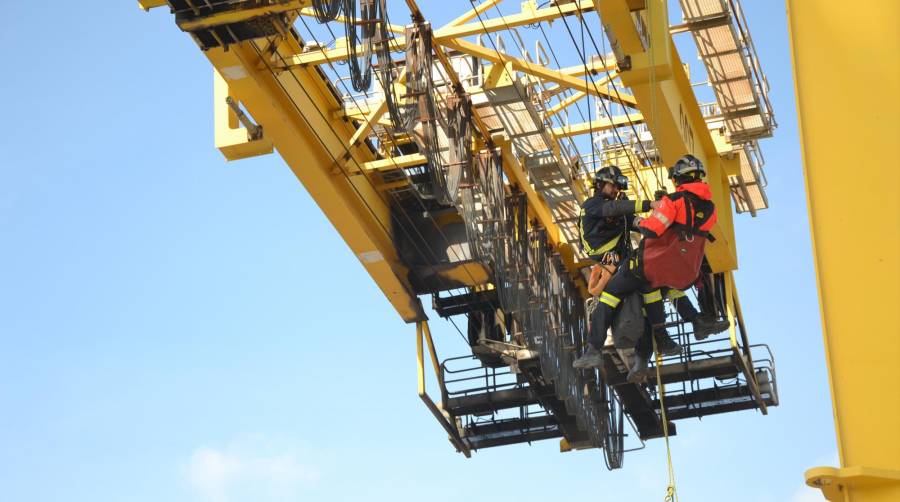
(665, 345)
(592, 358)
(705, 325)
(637, 372)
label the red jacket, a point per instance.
(673, 208)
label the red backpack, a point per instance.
(673, 259)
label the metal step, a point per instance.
(511, 431)
(487, 402)
(711, 401)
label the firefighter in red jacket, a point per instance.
(689, 214)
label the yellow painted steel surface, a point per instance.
(314, 145)
(850, 153)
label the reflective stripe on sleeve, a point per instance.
(652, 297)
(609, 299)
(662, 218)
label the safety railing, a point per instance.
(423, 333)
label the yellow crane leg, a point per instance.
(841, 52)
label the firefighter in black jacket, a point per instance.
(606, 218)
(606, 224)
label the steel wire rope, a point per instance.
(671, 494)
(602, 102)
(396, 199)
(567, 91)
(609, 79)
(584, 62)
(501, 56)
(630, 122)
(347, 152)
(542, 288)
(393, 161)
(590, 115)
(497, 258)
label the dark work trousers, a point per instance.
(622, 283)
(682, 303)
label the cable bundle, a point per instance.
(372, 16)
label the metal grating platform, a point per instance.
(724, 44)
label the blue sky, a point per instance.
(177, 328)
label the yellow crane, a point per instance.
(856, 249)
(453, 160)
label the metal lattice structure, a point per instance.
(453, 159)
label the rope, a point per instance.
(671, 493)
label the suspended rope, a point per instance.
(671, 492)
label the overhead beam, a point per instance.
(392, 163)
(538, 71)
(596, 64)
(529, 14)
(576, 96)
(597, 125)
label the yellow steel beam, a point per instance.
(295, 108)
(669, 107)
(389, 164)
(517, 176)
(862, 345)
(359, 115)
(233, 140)
(596, 64)
(151, 4)
(565, 103)
(597, 125)
(576, 96)
(537, 70)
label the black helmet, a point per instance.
(687, 166)
(611, 174)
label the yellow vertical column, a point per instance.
(847, 76)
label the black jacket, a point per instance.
(604, 220)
